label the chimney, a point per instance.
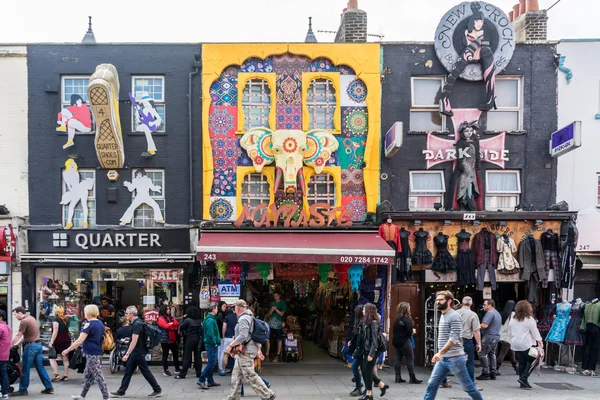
(310, 35)
(532, 25)
(353, 26)
(89, 37)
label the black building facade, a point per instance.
(74, 258)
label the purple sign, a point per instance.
(565, 139)
(393, 140)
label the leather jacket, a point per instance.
(359, 348)
(370, 334)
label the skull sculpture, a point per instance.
(355, 273)
(290, 149)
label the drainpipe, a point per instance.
(197, 64)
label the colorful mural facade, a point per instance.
(329, 93)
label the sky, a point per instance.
(253, 20)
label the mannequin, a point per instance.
(574, 337)
(391, 234)
(559, 326)
(531, 260)
(404, 257)
(464, 260)
(551, 247)
(443, 261)
(486, 257)
(422, 255)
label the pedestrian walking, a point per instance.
(245, 351)
(5, 338)
(471, 329)
(29, 333)
(136, 356)
(356, 348)
(370, 333)
(403, 333)
(90, 338)
(60, 341)
(451, 355)
(212, 340)
(505, 349)
(228, 330)
(524, 335)
(191, 328)
(490, 336)
(168, 339)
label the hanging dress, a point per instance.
(443, 261)
(507, 263)
(464, 259)
(404, 262)
(422, 254)
(559, 327)
(573, 336)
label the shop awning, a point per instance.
(330, 247)
(92, 258)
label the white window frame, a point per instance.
(428, 108)
(597, 187)
(520, 100)
(412, 193)
(507, 193)
(91, 200)
(64, 103)
(330, 197)
(265, 108)
(157, 196)
(312, 105)
(157, 102)
(263, 198)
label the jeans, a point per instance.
(174, 348)
(207, 374)
(4, 377)
(32, 356)
(368, 374)
(190, 347)
(355, 370)
(407, 351)
(481, 273)
(469, 347)
(137, 359)
(487, 355)
(458, 366)
(524, 364)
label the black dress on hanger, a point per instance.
(404, 262)
(464, 260)
(422, 254)
(443, 261)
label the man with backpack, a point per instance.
(250, 334)
(141, 339)
(212, 340)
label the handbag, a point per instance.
(52, 353)
(204, 293)
(108, 341)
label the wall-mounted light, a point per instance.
(4, 210)
(447, 222)
(538, 222)
(437, 206)
(502, 223)
(384, 72)
(476, 223)
(417, 222)
(74, 156)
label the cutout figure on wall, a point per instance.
(467, 185)
(76, 192)
(475, 49)
(142, 186)
(148, 118)
(76, 117)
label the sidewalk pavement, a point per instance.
(308, 381)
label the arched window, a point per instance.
(321, 104)
(255, 191)
(321, 189)
(256, 103)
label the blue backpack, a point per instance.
(152, 334)
(260, 332)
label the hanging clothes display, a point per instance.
(443, 261)
(422, 254)
(551, 247)
(559, 326)
(404, 258)
(531, 260)
(591, 324)
(486, 257)
(466, 266)
(569, 257)
(391, 234)
(507, 264)
(548, 316)
(574, 337)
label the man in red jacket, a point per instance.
(5, 339)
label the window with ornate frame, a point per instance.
(76, 85)
(426, 189)
(503, 190)
(257, 107)
(256, 190)
(321, 102)
(321, 189)
(424, 111)
(143, 216)
(91, 202)
(154, 85)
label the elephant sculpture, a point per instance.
(291, 150)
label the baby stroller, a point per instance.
(13, 368)
(117, 354)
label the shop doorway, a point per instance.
(409, 293)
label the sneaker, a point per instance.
(498, 373)
(103, 95)
(179, 376)
(446, 385)
(75, 397)
(276, 359)
(524, 384)
(20, 393)
(47, 391)
(155, 393)
(493, 377)
(586, 373)
(479, 388)
(484, 377)
(272, 397)
(214, 384)
(356, 392)
(222, 373)
(166, 373)
(202, 385)
(117, 394)
(4, 396)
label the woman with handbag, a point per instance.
(59, 342)
(191, 328)
(370, 333)
(356, 349)
(403, 332)
(91, 338)
(168, 339)
(525, 340)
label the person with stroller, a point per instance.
(5, 338)
(291, 348)
(60, 341)
(91, 338)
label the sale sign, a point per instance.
(151, 316)
(164, 276)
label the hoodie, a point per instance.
(211, 331)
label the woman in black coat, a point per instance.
(191, 328)
(403, 332)
(370, 333)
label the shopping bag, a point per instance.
(108, 341)
(204, 293)
(52, 354)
